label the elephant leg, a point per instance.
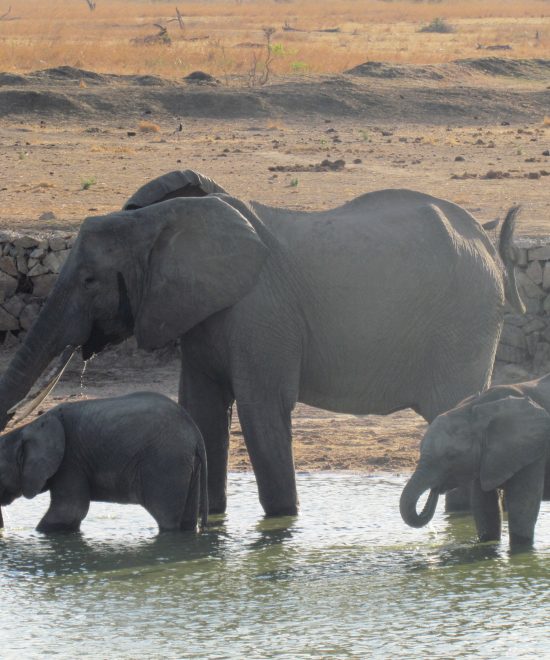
(166, 499)
(523, 493)
(68, 507)
(487, 511)
(267, 432)
(209, 405)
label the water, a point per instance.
(345, 579)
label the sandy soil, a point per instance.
(73, 146)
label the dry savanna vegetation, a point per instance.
(228, 39)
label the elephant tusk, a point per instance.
(25, 407)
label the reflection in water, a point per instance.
(344, 579)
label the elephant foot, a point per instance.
(274, 512)
(519, 543)
(58, 527)
(458, 500)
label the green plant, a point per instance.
(298, 66)
(437, 25)
(364, 134)
(294, 183)
(88, 183)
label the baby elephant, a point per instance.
(137, 449)
(500, 439)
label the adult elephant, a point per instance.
(393, 300)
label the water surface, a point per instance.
(345, 579)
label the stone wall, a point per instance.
(29, 266)
(525, 342)
(28, 269)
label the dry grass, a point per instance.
(66, 32)
(146, 126)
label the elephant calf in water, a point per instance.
(501, 440)
(140, 448)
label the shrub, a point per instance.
(437, 25)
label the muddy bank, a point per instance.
(438, 94)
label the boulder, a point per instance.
(43, 284)
(8, 265)
(57, 243)
(28, 315)
(534, 272)
(513, 336)
(8, 286)
(25, 242)
(511, 354)
(14, 305)
(542, 252)
(7, 321)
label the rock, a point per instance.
(10, 341)
(518, 320)
(25, 242)
(513, 336)
(37, 269)
(62, 257)
(521, 256)
(546, 305)
(546, 277)
(7, 321)
(37, 253)
(14, 306)
(541, 360)
(534, 272)
(48, 215)
(509, 373)
(8, 286)
(57, 243)
(531, 342)
(533, 325)
(22, 264)
(70, 241)
(542, 253)
(53, 264)
(528, 288)
(42, 285)
(511, 354)
(7, 264)
(28, 315)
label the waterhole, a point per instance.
(345, 579)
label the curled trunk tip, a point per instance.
(412, 492)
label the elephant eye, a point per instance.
(88, 281)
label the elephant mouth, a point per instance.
(112, 332)
(101, 338)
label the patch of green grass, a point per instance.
(88, 183)
(364, 134)
(294, 183)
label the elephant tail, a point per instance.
(203, 505)
(507, 254)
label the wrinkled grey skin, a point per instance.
(137, 449)
(499, 439)
(393, 300)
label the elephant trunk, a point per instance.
(57, 326)
(415, 487)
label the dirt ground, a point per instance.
(75, 145)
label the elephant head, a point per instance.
(29, 456)
(154, 272)
(489, 436)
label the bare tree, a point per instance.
(91, 4)
(180, 19)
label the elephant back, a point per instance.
(187, 183)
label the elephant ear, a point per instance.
(205, 258)
(516, 432)
(43, 444)
(174, 184)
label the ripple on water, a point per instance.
(346, 578)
